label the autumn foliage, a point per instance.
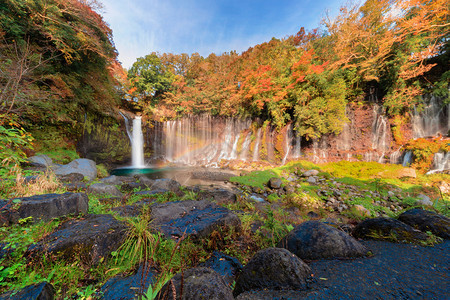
(308, 78)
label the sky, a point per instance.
(141, 27)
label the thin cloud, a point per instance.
(142, 26)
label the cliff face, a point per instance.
(368, 136)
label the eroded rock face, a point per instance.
(388, 228)
(192, 218)
(39, 291)
(273, 268)
(129, 287)
(89, 239)
(83, 166)
(426, 220)
(226, 266)
(44, 207)
(316, 240)
(197, 283)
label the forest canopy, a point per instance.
(397, 48)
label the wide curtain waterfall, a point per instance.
(206, 140)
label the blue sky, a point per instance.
(206, 26)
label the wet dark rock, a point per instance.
(197, 283)
(221, 196)
(104, 189)
(122, 287)
(212, 175)
(275, 183)
(43, 207)
(226, 266)
(315, 240)
(273, 268)
(387, 228)
(89, 239)
(71, 177)
(75, 186)
(195, 218)
(426, 220)
(84, 166)
(39, 291)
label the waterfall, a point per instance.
(245, 147)
(407, 159)
(287, 143)
(441, 162)
(256, 149)
(395, 156)
(379, 132)
(433, 119)
(297, 147)
(137, 144)
(136, 140)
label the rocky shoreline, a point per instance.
(317, 259)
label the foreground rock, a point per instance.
(128, 287)
(89, 239)
(427, 221)
(316, 240)
(83, 166)
(273, 268)
(197, 219)
(388, 229)
(197, 283)
(39, 291)
(226, 266)
(41, 161)
(43, 207)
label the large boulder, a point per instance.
(192, 218)
(43, 207)
(196, 283)
(273, 268)
(388, 229)
(118, 180)
(104, 189)
(84, 166)
(426, 220)
(226, 266)
(41, 161)
(38, 291)
(317, 240)
(89, 239)
(130, 287)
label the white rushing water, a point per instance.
(137, 144)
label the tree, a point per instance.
(150, 77)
